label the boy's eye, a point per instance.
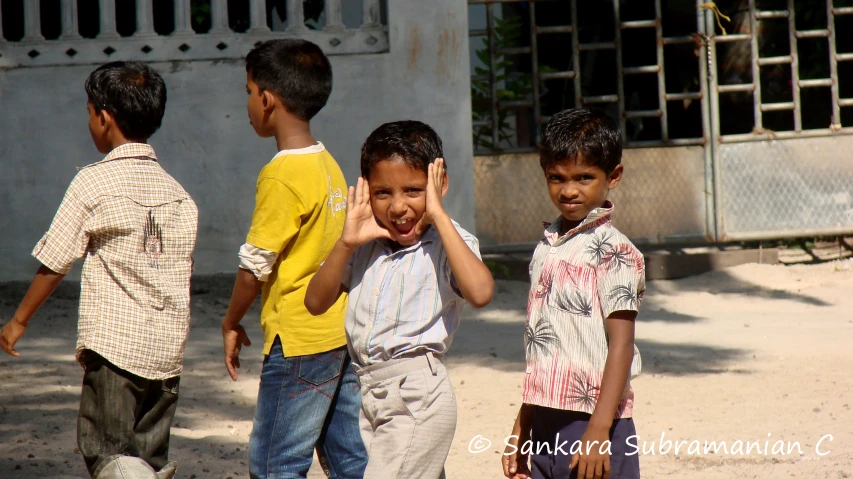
(380, 193)
(554, 178)
(413, 191)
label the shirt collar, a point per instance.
(595, 218)
(429, 236)
(316, 148)
(142, 151)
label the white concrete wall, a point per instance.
(207, 144)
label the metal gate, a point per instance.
(717, 146)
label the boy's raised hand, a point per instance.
(361, 226)
(436, 187)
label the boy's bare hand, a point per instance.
(234, 339)
(513, 461)
(11, 333)
(593, 461)
(436, 179)
(361, 226)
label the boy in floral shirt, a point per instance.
(587, 280)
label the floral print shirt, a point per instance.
(577, 281)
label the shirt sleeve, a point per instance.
(67, 238)
(447, 273)
(621, 279)
(346, 279)
(277, 217)
(258, 261)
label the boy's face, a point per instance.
(256, 107)
(398, 198)
(576, 188)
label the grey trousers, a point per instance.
(124, 414)
(408, 418)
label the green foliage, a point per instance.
(498, 270)
(516, 85)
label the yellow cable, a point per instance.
(717, 13)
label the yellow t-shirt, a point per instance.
(300, 209)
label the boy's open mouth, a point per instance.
(404, 227)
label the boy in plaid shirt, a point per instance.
(135, 228)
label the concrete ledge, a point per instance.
(668, 265)
(660, 264)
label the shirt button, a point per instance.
(376, 292)
(553, 251)
(539, 288)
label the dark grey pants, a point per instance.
(550, 463)
(121, 413)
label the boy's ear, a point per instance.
(446, 186)
(267, 100)
(106, 119)
(615, 176)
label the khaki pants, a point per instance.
(408, 418)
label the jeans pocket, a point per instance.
(321, 368)
(170, 385)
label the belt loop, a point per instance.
(431, 360)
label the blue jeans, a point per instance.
(307, 402)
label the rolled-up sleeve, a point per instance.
(67, 238)
(258, 261)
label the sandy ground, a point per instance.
(754, 353)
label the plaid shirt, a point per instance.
(578, 280)
(135, 227)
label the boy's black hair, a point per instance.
(294, 70)
(587, 135)
(133, 93)
(412, 142)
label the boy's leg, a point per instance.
(414, 420)
(340, 446)
(154, 422)
(108, 404)
(543, 429)
(293, 401)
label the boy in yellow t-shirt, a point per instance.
(309, 395)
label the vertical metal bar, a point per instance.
(756, 70)
(534, 58)
(219, 16)
(714, 139)
(182, 18)
(334, 16)
(32, 22)
(795, 65)
(295, 15)
(707, 121)
(620, 76)
(493, 74)
(258, 15)
(2, 38)
(576, 54)
(833, 67)
(664, 125)
(370, 15)
(70, 30)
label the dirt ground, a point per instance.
(754, 353)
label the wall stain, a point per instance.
(415, 48)
(448, 55)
